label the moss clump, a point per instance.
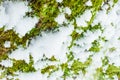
(49, 69)
(46, 10)
(77, 66)
(113, 70)
(52, 58)
(77, 7)
(95, 46)
(19, 65)
(3, 56)
(71, 67)
(100, 75)
(12, 37)
(70, 56)
(74, 35)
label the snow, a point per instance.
(6, 63)
(12, 17)
(67, 10)
(88, 3)
(49, 44)
(59, 1)
(7, 44)
(21, 53)
(60, 18)
(57, 43)
(31, 76)
(82, 20)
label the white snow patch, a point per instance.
(59, 1)
(6, 63)
(89, 3)
(20, 54)
(49, 44)
(82, 20)
(7, 44)
(67, 10)
(31, 76)
(60, 18)
(12, 16)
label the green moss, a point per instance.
(77, 7)
(100, 75)
(53, 58)
(3, 56)
(113, 70)
(105, 61)
(66, 70)
(96, 4)
(71, 67)
(19, 65)
(95, 46)
(77, 66)
(115, 1)
(70, 56)
(74, 35)
(12, 37)
(46, 10)
(49, 69)
(112, 49)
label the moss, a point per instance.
(96, 4)
(105, 61)
(49, 69)
(3, 57)
(100, 75)
(19, 65)
(110, 71)
(112, 49)
(65, 69)
(113, 70)
(70, 56)
(46, 10)
(53, 58)
(80, 66)
(77, 7)
(115, 1)
(95, 46)
(70, 68)
(8, 35)
(74, 35)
